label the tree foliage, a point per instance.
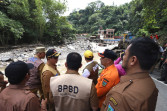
(141, 17)
(31, 21)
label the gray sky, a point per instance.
(81, 4)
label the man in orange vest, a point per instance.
(109, 77)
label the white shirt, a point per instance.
(86, 72)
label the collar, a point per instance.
(110, 67)
(72, 72)
(89, 62)
(36, 56)
(137, 75)
(53, 66)
(18, 87)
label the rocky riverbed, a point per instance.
(79, 45)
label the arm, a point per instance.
(115, 101)
(34, 105)
(104, 85)
(86, 73)
(93, 98)
(40, 68)
(46, 83)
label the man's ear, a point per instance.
(80, 66)
(27, 77)
(66, 64)
(133, 60)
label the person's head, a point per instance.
(88, 55)
(52, 56)
(40, 52)
(142, 52)
(73, 61)
(17, 71)
(107, 57)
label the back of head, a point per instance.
(16, 72)
(146, 51)
(88, 55)
(74, 60)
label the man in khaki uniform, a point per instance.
(34, 82)
(17, 97)
(91, 69)
(49, 70)
(71, 91)
(136, 90)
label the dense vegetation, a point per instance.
(33, 21)
(141, 17)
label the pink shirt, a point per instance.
(121, 70)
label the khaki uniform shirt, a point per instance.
(18, 98)
(72, 92)
(47, 73)
(135, 92)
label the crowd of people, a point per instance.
(126, 86)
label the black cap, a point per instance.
(108, 54)
(16, 71)
(52, 53)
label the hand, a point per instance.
(165, 61)
(43, 103)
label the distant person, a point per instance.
(49, 70)
(35, 82)
(17, 97)
(163, 75)
(136, 90)
(163, 56)
(109, 77)
(71, 91)
(118, 65)
(91, 69)
(2, 82)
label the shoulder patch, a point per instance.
(110, 108)
(113, 101)
(104, 83)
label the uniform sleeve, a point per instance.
(93, 97)
(103, 85)
(115, 102)
(40, 68)
(34, 105)
(86, 73)
(46, 83)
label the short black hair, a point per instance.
(16, 72)
(74, 60)
(146, 50)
